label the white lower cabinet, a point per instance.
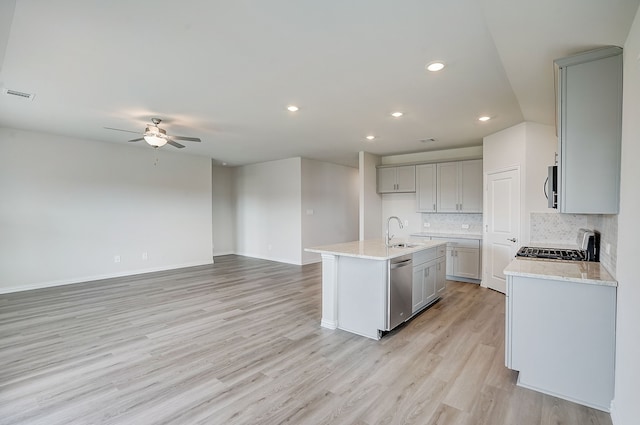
(428, 277)
(463, 257)
(560, 336)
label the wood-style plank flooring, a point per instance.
(240, 342)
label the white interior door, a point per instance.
(502, 235)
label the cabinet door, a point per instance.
(417, 295)
(426, 187)
(467, 263)
(429, 282)
(471, 186)
(447, 183)
(441, 280)
(590, 136)
(406, 178)
(451, 260)
(386, 180)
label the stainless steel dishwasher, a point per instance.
(399, 290)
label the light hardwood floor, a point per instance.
(240, 342)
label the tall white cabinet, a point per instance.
(426, 187)
(590, 125)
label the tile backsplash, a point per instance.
(452, 223)
(554, 228)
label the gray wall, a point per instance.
(70, 206)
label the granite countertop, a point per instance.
(572, 271)
(372, 249)
(449, 235)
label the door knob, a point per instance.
(512, 239)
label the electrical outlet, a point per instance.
(465, 226)
(427, 224)
(116, 258)
(406, 223)
(145, 256)
(607, 248)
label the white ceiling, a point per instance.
(225, 71)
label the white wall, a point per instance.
(69, 206)
(532, 147)
(370, 200)
(626, 409)
(269, 210)
(329, 205)
(403, 206)
(223, 210)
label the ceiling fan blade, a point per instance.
(175, 144)
(136, 140)
(119, 129)
(188, 139)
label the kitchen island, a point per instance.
(364, 288)
(560, 329)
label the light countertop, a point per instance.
(573, 271)
(372, 249)
(449, 235)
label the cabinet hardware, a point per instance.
(512, 239)
(434, 207)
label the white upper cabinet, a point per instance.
(589, 117)
(471, 186)
(397, 179)
(426, 187)
(459, 187)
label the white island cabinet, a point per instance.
(357, 288)
(560, 329)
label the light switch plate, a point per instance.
(465, 226)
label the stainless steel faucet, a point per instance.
(387, 239)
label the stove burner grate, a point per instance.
(552, 253)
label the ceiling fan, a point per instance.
(157, 137)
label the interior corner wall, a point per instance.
(223, 210)
(541, 145)
(268, 207)
(70, 206)
(329, 205)
(532, 147)
(625, 407)
(370, 210)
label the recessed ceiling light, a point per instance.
(292, 108)
(371, 137)
(484, 118)
(435, 66)
(397, 114)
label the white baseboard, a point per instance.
(86, 279)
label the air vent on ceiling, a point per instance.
(20, 94)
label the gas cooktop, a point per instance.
(552, 253)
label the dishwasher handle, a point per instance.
(402, 263)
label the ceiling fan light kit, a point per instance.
(157, 137)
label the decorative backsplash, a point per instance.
(554, 228)
(452, 223)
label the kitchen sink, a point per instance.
(405, 245)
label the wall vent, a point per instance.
(23, 95)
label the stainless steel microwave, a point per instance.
(551, 189)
